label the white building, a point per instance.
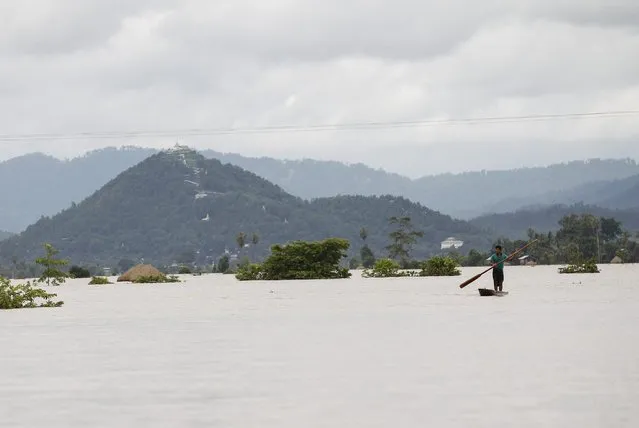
(451, 243)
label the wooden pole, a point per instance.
(476, 277)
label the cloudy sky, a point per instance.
(96, 66)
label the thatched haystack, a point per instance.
(139, 271)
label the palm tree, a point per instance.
(255, 239)
(241, 241)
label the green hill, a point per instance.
(52, 184)
(178, 202)
(372, 212)
(546, 218)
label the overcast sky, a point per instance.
(70, 66)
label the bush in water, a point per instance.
(440, 266)
(25, 296)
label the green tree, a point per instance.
(185, 270)
(385, 268)
(255, 239)
(440, 266)
(301, 260)
(353, 263)
(223, 264)
(583, 232)
(402, 239)
(583, 238)
(367, 256)
(365, 253)
(51, 274)
(79, 272)
(610, 229)
(99, 280)
(25, 296)
(475, 258)
(241, 240)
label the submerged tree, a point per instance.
(241, 240)
(583, 238)
(25, 296)
(51, 274)
(403, 239)
(255, 239)
(367, 256)
(224, 264)
(301, 260)
(365, 253)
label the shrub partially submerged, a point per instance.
(300, 260)
(156, 279)
(79, 272)
(250, 272)
(25, 296)
(440, 266)
(588, 267)
(386, 268)
(436, 266)
(99, 280)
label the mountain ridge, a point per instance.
(52, 184)
(545, 218)
(176, 202)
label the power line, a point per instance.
(314, 128)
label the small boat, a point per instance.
(490, 292)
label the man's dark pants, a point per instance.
(498, 279)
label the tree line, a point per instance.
(580, 238)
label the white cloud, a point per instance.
(68, 67)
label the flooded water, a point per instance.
(558, 351)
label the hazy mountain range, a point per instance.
(35, 185)
(610, 183)
(179, 205)
(515, 225)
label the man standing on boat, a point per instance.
(498, 259)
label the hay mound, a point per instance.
(139, 271)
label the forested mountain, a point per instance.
(310, 179)
(36, 185)
(372, 212)
(463, 195)
(177, 202)
(4, 235)
(611, 194)
(546, 218)
(621, 193)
